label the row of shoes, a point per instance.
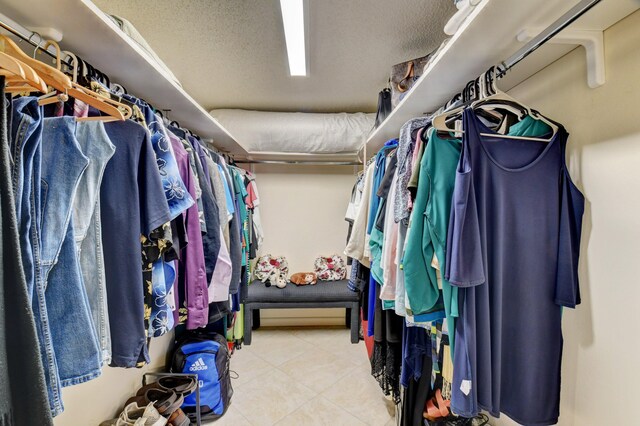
(156, 404)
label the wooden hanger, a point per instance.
(123, 106)
(87, 96)
(17, 72)
(50, 75)
(29, 79)
(10, 66)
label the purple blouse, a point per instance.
(192, 274)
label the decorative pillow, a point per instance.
(331, 268)
(272, 270)
(304, 278)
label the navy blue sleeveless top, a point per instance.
(513, 243)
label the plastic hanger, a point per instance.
(501, 99)
(497, 99)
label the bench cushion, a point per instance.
(323, 291)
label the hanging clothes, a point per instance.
(359, 242)
(22, 379)
(131, 174)
(95, 144)
(75, 343)
(428, 229)
(511, 301)
(192, 297)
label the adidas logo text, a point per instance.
(198, 365)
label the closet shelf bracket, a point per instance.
(591, 40)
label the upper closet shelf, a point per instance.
(89, 33)
(487, 37)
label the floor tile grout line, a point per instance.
(332, 383)
(267, 360)
(255, 377)
(328, 386)
(347, 408)
(336, 406)
(291, 338)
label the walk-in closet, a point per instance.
(319, 212)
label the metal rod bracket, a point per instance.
(591, 40)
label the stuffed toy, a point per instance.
(304, 278)
(332, 268)
(272, 271)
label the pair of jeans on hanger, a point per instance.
(96, 145)
(48, 165)
(24, 398)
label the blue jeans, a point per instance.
(95, 144)
(22, 384)
(26, 137)
(74, 339)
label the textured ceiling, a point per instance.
(232, 54)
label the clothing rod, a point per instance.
(302, 162)
(561, 23)
(31, 37)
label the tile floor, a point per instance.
(305, 377)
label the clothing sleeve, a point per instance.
(464, 261)
(221, 279)
(195, 275)
(227, 190)
(257, 223)
(571, 211)
(252, 195)
(350, 215)
(154, 209)
(356, 245)
(419, 278)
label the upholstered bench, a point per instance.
(325, 294)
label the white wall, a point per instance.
(302, 210)
(600, 371)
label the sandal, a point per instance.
(166, 401)
(180, 385)
(437, 407)
(179, 418)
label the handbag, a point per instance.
(332, 268)
(272, 270)
(404, 75)
(384, 106)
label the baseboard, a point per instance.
(301, 322)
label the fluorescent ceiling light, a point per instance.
(293, 22)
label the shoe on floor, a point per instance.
(134, 415)
(180, 385)
(166, 401)
(149, 415)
